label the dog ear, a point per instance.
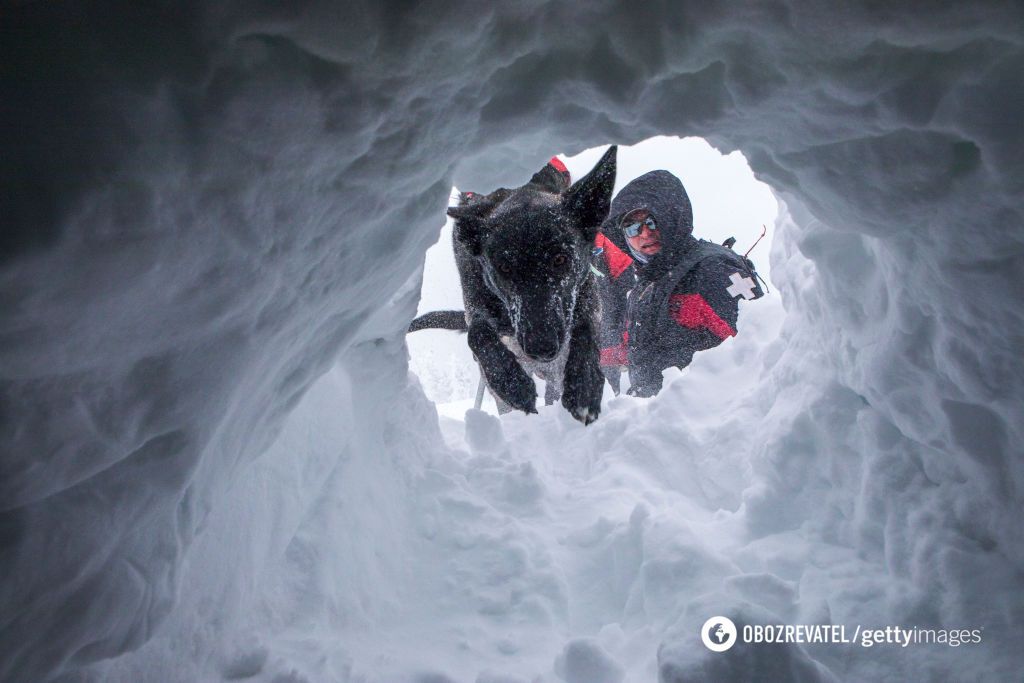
(589, 199)
(471, 214)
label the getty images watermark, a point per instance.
(720, 633)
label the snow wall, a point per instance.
(215, 214)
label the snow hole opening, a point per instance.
(727, 200)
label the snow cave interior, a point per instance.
(218, 465)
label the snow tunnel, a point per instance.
(217, 465)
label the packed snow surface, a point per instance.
(217, 465)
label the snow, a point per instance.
(218, 466)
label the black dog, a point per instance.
(524, 263)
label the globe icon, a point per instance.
(718, 634)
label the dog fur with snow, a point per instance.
(523, 257)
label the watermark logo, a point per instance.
(718, 634)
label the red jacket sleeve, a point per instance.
(612, 287)
(710, 299)
(693, 311)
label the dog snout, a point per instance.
(542, 345)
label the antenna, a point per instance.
(764, 231)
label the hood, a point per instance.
(663, 195)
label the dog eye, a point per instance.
(505, 268)
(559, 260)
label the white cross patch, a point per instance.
(741, 286)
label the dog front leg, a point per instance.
(504, 375)
(583, 383)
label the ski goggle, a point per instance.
(635, 228)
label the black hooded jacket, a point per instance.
(685, 299)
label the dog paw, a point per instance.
(581, 394)
(583, 414)
(517, 389)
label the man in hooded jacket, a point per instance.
(664, 293)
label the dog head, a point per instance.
(533, 245)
